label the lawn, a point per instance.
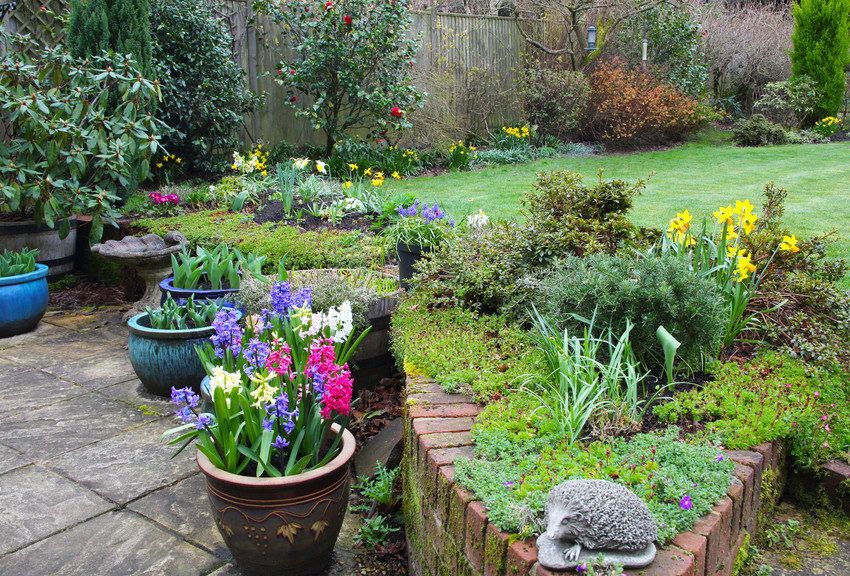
(699, 175)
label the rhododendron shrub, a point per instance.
(346, 64)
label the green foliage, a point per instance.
(203, 90)
(828, 126)
(459, 157)
(353, 58)
(214, 269)
(64, 149)
(554, 99)
(513, 476)
(565, 217)
(323, 249)
(758, 131)
(17, 263)
(821, 42)
(173, 316)
(651, 292)
(789, 102)
(513, 137)
(510, 156)
(119, 26)
(446, 343)
(381, 488)
(375, 531)
(771, 397)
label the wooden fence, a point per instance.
(467, 64)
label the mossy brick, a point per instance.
(445, 440)
(443, 410)
(752, 459)
(669, 561)
(476, 524)
(709, 526)
(543, 571)
(495, 550)
(755, 461)
(746, 476)
(445, 481)
(420, 384)
(435, 425)
(727, 565)
(736, 493)
(460, 500)
(725, 508)
(695, 544)
(521, 557)
(768, 453)
(440, 397)
(837, 476)
(439, 457)
(436, 535)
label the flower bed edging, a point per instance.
(447, 528)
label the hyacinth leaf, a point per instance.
(670, 345)
(296, 446)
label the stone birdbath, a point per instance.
(150, 255)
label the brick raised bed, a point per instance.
(447, 528)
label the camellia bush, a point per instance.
(65, 150)
(346, 64)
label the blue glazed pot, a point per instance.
(166, 358)
(23, 300)
(180, 295)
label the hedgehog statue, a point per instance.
(587, 517)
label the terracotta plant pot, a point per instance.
(285, 525)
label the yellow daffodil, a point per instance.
(347, 185)
(264, 173)
(378, 182)
(472, 148)
(724, 215)
(396, 175)
(353, 167)
(301, 164)
(743, 207)
(234, 167)
(172, 156)
(367, 172)
(744, 266)
(320, 166)
(730, 234)
(379, 175)
(179, 160)
(159, 165)
(789, 243)
(748, 222)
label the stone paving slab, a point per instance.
(29, 389)
(53, 430)
(43, 353)
(134, 394)
(97, 372)
(119, 543)
(127, 466)
(36, 503)
(184, 509)
(11, 459)
(43, 330)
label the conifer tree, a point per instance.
(121, 26)
(821, 40)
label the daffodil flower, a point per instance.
(396, 175)
(301, 164)
(320, 166)
(789, 243)
(347, 185)
(353, 167)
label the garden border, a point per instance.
(447, 529)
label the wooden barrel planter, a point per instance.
(56, 254)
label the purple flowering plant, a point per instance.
(277, 383)
(420, 225)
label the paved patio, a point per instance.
(86, 487)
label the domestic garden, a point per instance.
(526, 287)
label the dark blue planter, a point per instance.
(23, 300)
(408, 255)
(166, 358)
(180, 295)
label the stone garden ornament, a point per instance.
(586, 518)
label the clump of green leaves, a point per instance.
(380, 490)
(173, 316)
(758, 131)
(650, 292)
(513, 476)
(374, 532)
(771, 397)
(213, 268)
(17, 263)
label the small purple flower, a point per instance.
(507, 484)
(685, 503)
(582, 568)
(452, 222)
(228, 334)
(402, 211)
(278, 412)
(185, 413)
(184, 396)
(203, 421)
(719, 458)
(283, 299)
(280, 442)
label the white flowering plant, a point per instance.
(477, 220)
(276, 384)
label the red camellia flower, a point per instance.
(292, 71)
(329, 5)
(347, 19)
(382, 133)
(397, 112)
(293, 99)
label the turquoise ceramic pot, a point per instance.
(180, 295)
(23, 300)
(166, 358)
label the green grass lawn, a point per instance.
(700, 175)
